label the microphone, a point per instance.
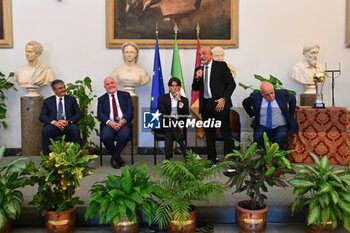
(202, 65)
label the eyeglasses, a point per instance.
(174, 85)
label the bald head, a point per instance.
(267, 91)
(206, 55)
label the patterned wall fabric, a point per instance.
(323, 132)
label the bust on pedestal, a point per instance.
(303, 72)
(219, 55)
(32, 76)
(130, 75)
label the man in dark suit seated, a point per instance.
(272, 112)
(215, 85)
(174, 108)
(115, 111)
(60, 114)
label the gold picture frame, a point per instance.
(347, 32)
(6, 36)
(218, 21)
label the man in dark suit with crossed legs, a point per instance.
(215, 85)
(272, 111)
(173, 107)
(60, 114)
(115, 111)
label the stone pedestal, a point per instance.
(307, 99)
(30, 125)
(135, 123)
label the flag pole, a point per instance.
(175, 30)
(198, 29)
(157, 29)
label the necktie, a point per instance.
(269, 116)
(206, 82)
(115, 109)
(60, 109)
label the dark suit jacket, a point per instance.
(164, 105)
(222, 84)
(103, 108)
(285, 100)
(71, 108)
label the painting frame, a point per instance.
(231, 42)
(347, 31)
(6, 34)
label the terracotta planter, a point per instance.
(62, 222)
(126, 226)
(315, 228)
(189, 226)
(250, 221)
(6, 227)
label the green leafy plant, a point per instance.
(185, 182)
(276, 83)
(324, 189)
(58, 176)
(255, 168)
(5, 85)
(124, 195)
(83, 91)
(12, 177)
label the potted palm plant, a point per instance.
(253, 171)
(57, 178)
(323, 192)
(12, 177)
(118, 200)
(83, 91)
(183, 183)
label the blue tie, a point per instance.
(269, 117)
(60, 109)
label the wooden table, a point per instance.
(322, 132)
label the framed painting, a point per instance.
(136, 20)
(6, 40)
(347, 36)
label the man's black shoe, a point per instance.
(115, 163)
(121, 161)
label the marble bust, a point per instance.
(34, 74)
(304, 70)
(219, 55)
(130, 75)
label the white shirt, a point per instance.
(111, 115)
(277, 117)
(174, 104)
(209, 71)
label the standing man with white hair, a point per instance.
(215, 85)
